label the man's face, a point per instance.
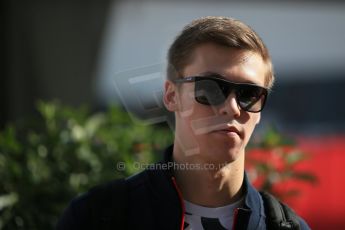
(219, 133)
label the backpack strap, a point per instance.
(279, 215)
(109, 204)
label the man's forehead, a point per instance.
(241, 55)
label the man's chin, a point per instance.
(221, 154)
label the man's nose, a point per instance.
(230, 106)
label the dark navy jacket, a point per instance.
(152, 201)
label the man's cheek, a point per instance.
(188, 140)
(187, 104)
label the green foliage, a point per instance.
(45, 163)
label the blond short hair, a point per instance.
(224, 31)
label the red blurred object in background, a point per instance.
(321, 204)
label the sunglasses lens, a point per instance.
(251, 98)
(209, 92)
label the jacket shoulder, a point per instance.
(279, 215)
(89, 209)
(303, 224)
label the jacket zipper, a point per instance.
(181, 201)
(234, 222)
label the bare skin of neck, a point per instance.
(210, 188)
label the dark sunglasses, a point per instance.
(213, 90)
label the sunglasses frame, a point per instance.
(235, 85)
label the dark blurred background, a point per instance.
(50, 50)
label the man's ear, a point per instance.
(170, 96)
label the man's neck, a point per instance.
(210, 188)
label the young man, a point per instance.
(219, 75)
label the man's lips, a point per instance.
(228, 129)
(215, 124)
